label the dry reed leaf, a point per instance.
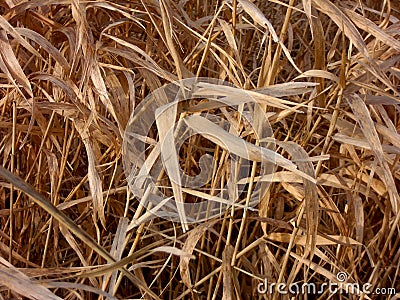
(22, 7)
(352, 152)
(83, 35)
(208, 197)
(46, 45)
(320, 240)
(53, 168)
(52, 210)
(289, 57)
(95, 183)
(287, 89)
(258, 17)
(296, 190)
(116, 251)
(307, 5)
(272, 101)
(111, 267)
(134, 48)
(5, 250)
(18, 282)
(142, 63)
(238, 146)
(367, 126)
(231, 41)
(390, 134)
(346, 183)
(77, 286)
(364, 80)
(167, 22)
(71, 203)
(75, 247)
(235, 100)
(15, 33)
(362, 143)
(377, 185)
(173, 251)
(193, 238)
(346, 127)
(120, 101)
(287, 5)
(127, 12)
(232, 77)
(68, 87)
(318, 33)
(150, 214)
(359, 218)
(101, 89)
(10, 65)
(320, 74)
(372, 28)
(68, 223)
(68, 109)
(281, 176)
(165, 120)
(310, 191)
(344, 23)
(237, 97)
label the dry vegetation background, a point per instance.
(73, 71)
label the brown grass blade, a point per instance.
(63, 219)
(21, 284)
(10, 64)
(367, 126)
(344, 23)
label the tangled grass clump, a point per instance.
(326, 75)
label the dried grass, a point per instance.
(326, 74)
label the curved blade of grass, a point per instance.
(18, 282)
(67, 222)
(367, 126)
